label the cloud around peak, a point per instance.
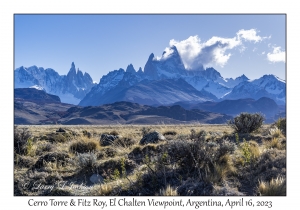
(214, 51)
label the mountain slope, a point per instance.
(32, 94)
(150, 92)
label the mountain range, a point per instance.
(163, 81)
(70, 88)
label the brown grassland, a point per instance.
(194, 159)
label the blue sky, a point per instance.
(253, 45)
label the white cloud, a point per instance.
(215, 51)
(277, 55)
(263, 52)
(195, 53)
(250, 35)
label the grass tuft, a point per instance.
(276, 187)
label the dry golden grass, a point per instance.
(275, 132)
(274, 143)
(139, 175)
(133, 131)
(276, 187)
(168, 191)
(83, 145)
(222, 169)
(255, 149)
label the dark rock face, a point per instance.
(107, 139)
(152, 137)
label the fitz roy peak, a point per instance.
(70, 88)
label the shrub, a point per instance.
(274, 143)
(246, 122)
(246, 151)
(209, 161)
(171, 133)
(110, 152)
(59, 158)
(114, 133)
(200, 135)
(86, 160)
(86, 133)
(114, 168)
(116, 174)
(58, 137)
(45, 147)
(124, 142)
(275, 132)
(21, 137)
(82, 146)
(24, 161)
(281, 124)
(145, 130)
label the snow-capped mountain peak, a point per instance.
(267, 86)
(71, 88)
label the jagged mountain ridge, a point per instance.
(208, 82)
(71, 88)
(267, 86)
(76, 87)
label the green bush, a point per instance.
(246, 122)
